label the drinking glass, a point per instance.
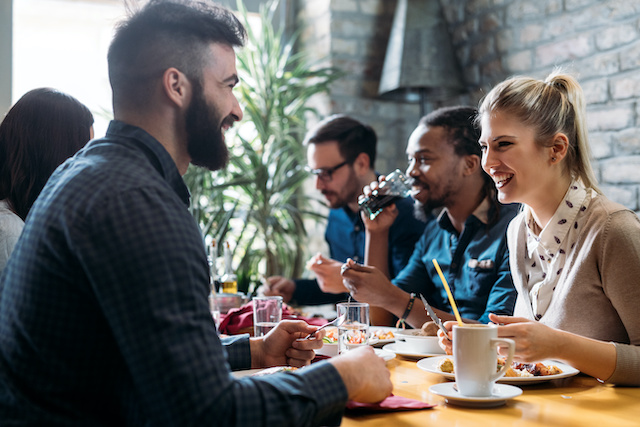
(267, 312)
(395, 187)
(214, 308)
(354, 330)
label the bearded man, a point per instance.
(104, 318)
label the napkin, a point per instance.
(390, 404)
(240, 320)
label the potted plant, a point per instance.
(258, 202)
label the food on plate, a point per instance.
(355, 336)
(381, 334)
(446, 365)
(538, 369)
(331, 336)
(274, 370)
(517, 369)
(429, 329)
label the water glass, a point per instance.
(395, 187)
(354, 330)
(267, 312)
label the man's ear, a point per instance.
(361, 164)
(471, 164)
(176, 87)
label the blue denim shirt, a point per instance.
(475, 264)
(104, 318)
(345, 235)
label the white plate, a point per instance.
(501, 393)
(380, 342)
(397, 349)
(431, 365)
(384, 354)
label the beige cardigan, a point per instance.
(598, 294)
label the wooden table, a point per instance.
(575, 401)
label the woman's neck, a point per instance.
(543, 210)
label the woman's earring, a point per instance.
(553, 159)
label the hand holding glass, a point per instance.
(395, 187)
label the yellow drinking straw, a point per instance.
(446, 287)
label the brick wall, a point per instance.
(494, 39)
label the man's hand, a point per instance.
(327, 273)
(385, 219)
(285, 345)
(368, 284)
(278, 286)
(364, 374)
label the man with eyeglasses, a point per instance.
(341, 154)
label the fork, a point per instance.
(335, 322)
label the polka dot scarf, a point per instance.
(546, 253)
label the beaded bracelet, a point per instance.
(402, 321)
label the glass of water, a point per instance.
(267, 312)
(354, 330)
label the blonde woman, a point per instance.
(574, 254)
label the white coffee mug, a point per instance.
(475, 358)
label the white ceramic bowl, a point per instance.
(415, 342)
(328, 349)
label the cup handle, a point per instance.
(512, 347)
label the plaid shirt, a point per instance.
(104, 318)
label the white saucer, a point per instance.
(395, 348)
(501, 393)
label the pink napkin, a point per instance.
(390, 404)
(240, 320)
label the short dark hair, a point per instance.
(42, 130)
(165, 34)
(352, 136)
(464, 135)
(459, 122)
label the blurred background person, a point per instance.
(341, 155)
(42, 130)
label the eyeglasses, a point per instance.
(325, 174)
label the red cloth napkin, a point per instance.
(240, 320)
(390, 404)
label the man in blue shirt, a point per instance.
(468, 239)
(104, 318)
(341, 154)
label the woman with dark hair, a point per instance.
(42, 130)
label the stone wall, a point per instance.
(494, 39)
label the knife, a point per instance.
(434, 317)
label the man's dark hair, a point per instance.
(352, 136)
(464, 135)
(165, 34)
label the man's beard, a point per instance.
(423, 211)
(205, 142)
